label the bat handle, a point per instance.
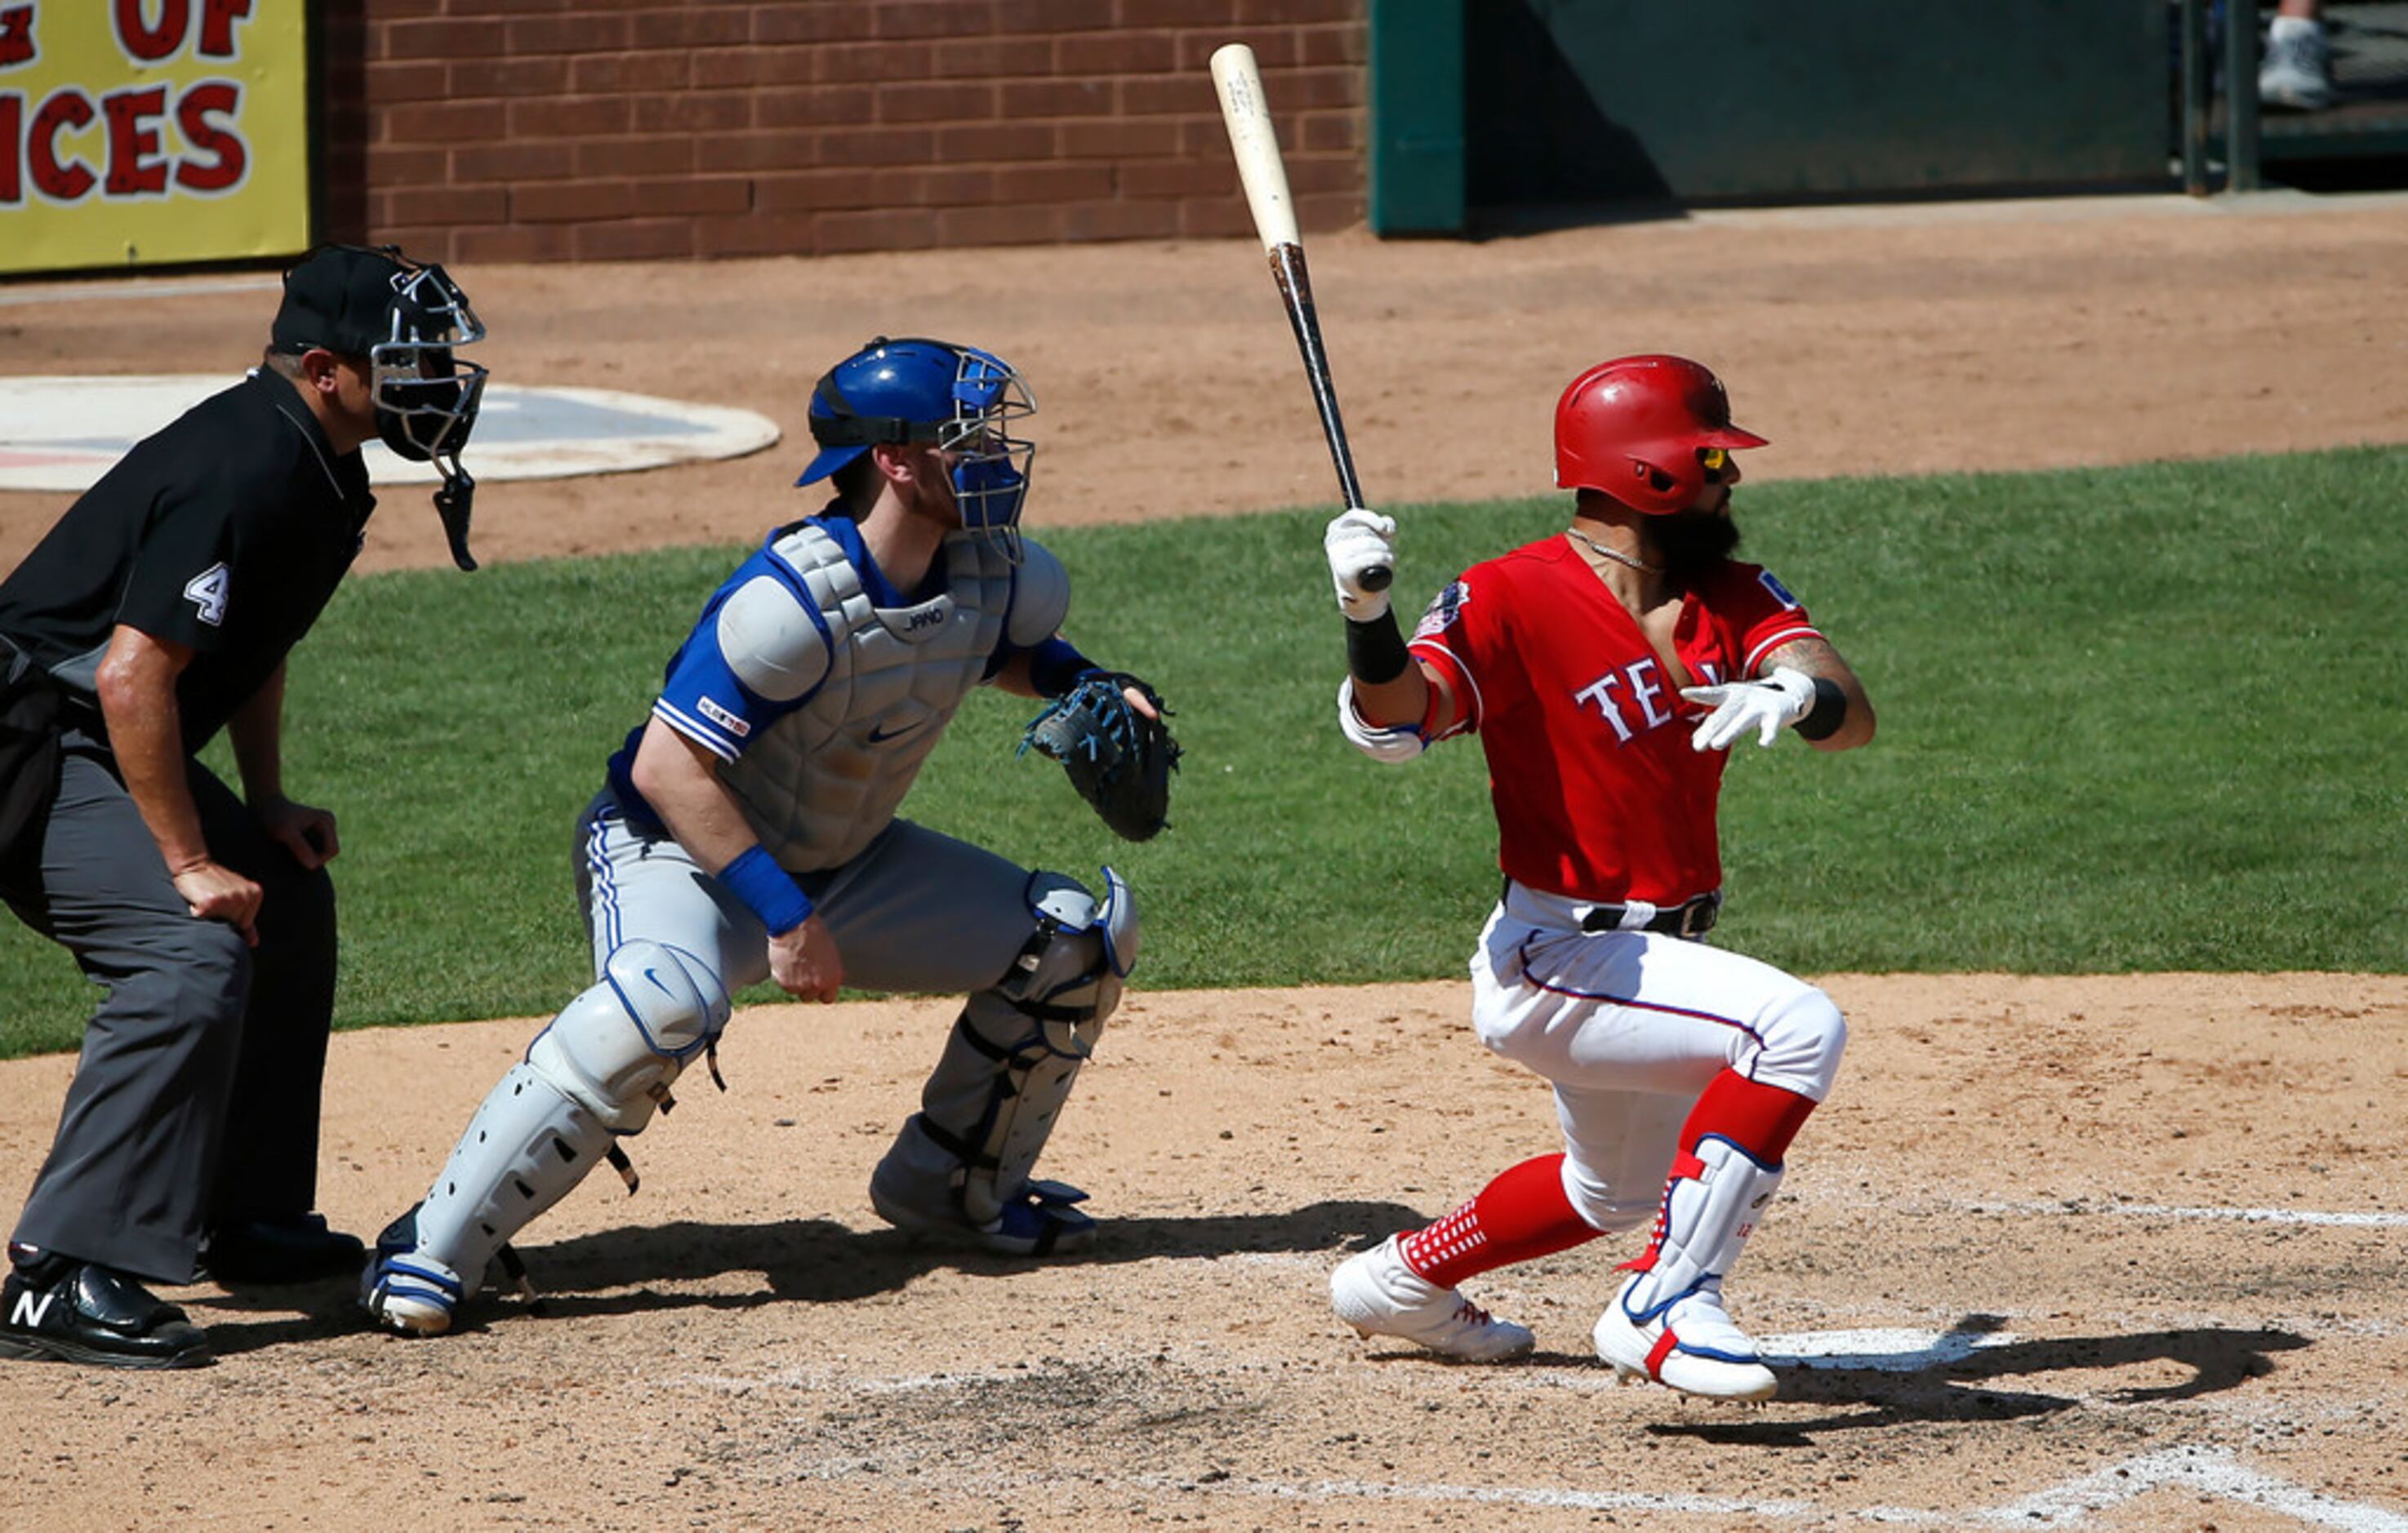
(1377, 578)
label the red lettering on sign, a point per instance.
(67, 108)
(217, 18)
(148, 43)
(204, 136)
(12, 175)
(16, 35)
(134, 169)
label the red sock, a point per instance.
(1759, 1119)
(1520, 1216)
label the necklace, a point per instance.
(1616, 554)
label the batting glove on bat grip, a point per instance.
(1768, 707)
(1359, 541)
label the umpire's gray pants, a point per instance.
(196, 1099)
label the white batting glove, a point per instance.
(1357, 541)
(1768, 707)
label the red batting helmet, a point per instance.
(1633, 428)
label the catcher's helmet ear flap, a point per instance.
(956, 398)
(1632, 429)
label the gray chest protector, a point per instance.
(825, 778)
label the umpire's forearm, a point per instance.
(137, 686)
(256, 731)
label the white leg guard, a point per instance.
(597, 1072)
(1667, 1322)
(960, 1165)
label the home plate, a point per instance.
(63, 433)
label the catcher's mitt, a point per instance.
(1119, 760)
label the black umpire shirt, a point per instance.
(226, 531)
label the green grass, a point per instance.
(2135, 718)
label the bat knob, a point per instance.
(1376, 577)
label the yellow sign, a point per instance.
(138, 132)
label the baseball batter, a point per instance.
(1606, 669)
(749, 829)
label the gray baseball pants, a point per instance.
(196, 1099)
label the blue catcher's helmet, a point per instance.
(956, 398)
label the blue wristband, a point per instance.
(1055, 666)
(768, 890)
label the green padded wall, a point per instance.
(1582, 101)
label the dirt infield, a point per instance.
(2115, 1253)
(2081, 1247)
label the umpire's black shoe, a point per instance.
(281, 1248)
(56, 1307)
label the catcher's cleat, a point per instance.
(281, 1249)
(1043, 1222)
(1377, 1293)
(55, 1307)
(1689, 1343)
(405, 1291)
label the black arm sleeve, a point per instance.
(1375, 651)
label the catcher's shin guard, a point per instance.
(960, 1165)
(1667, 1322)
(597, 1072)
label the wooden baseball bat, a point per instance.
(1255, 143)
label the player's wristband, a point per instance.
(768, 890)
(1830, 710)
(1054, 666)
(1375, 651)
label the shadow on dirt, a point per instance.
(1955, 1383)
(804, 1261)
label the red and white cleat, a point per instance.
(1689, 1344)
(1374, 1292)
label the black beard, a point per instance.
(1690, 544)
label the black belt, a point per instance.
(1693, 919)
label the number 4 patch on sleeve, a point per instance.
(207, 591)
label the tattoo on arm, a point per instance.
(1815, 656)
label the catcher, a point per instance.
(748, 829)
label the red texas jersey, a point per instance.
(1598, 796)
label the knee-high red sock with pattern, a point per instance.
(1518, 1217)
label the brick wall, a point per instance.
(537, 130)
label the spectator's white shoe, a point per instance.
(2297, 73)
(1377, 1293)
(1690, 1345)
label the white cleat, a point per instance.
(1374, 1292)
(1690, 1345)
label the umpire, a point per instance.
(157, 612)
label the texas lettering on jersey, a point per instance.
(1633, 697)
(1598, 795)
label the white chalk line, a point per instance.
(2066, 1505)
(2313, 1217)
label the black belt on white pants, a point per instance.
(1691, 919)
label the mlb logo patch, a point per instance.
(1780, 592)
(734, 724)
